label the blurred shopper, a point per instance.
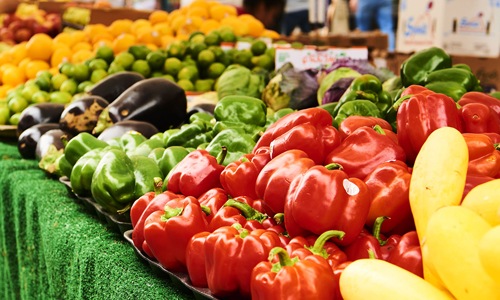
(317, 13)
(269, 12)
(296, 16)
(375, 12)
(338, 15)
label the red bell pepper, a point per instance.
(292, 278)
(196, 173)
(479, 118)
(231, 253)
(472, 181)
(337, 272)
(366, 244)
(405, 252)
(363, 150)
(484, 155)
(322, 199)
(156, 204)
(195, 259)
(238, 210)
(389, 185)
(480, 97)
(301, 247)
(142, 202)
(309, 130)
(275, 178)
(239, 177)
(419, 116)
(415, 89)
(351, 123)
(168, 232)
(214, 199)
(495, 137)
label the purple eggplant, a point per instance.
(81, 115)
(50, 141)
(39, 113)
(120, 128)
(28, 140)
(115, 84)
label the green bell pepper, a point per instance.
(131, 140)
(236, 141)
(252, 130)
(145, 172)
(147, 146)
(274, 116)
(357, 108)
(113, 181)
(202, 116)
(81, 144)
(170, 157)
(416, 68)
(190, 135)
(167, 133)
(84, 168)
(453, 82)
(241, 109)
(62, 166)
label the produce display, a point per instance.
(349, 182)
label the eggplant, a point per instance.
(81, 115)
(115, 84)
(50, 141)
(202, 107)
(28, 140)
(120, 128)
(156, 100)
(39, 113)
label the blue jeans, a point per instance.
(379, 12)
(295, 19)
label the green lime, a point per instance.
(196, 37)
(44, 74)
(206, 58)
(217, 50)
(176, 49)
(271, 52)
(115, 68)
(98, 64)
(14, 119)
(98, 75)
(124, 59)
(57, 80)
(258, 47)
(17, 104)
(60, 97)
(189, 72)
(172, 66)
(188, 61)
(186, 84)
(212, 38)
(169, 77)
(196, 48)
(4, 115)
(142, 67)
(82, 86)
(15, 92)
(29, 90)
(81, 72)
(69, 86)
(139, 51)
(105, 52)
(227, 35)
(30, 82)
(155, 74)
(44, 83)
(204, 85)
(297, 45)
(264, 61)
(243, 57)
(156, 59)
(215, 70)
(66, 68)
(40, 97)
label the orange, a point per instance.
(18, 52)
(82, 55)
(60, 55)
(120, 26)
(270, 34)
(34, 66)
(13, 76)
(39, 46)
(23, 63)
(239, 27)
(81, 46)
(197, 11)
(220, 11)
(102, 36)
(163, 28)
(166, 40)
(63, 38)
(177, 22)
(93, 29)
(102, 43)
(139, 23)
(149, 37)
(153, 47)
(158, 16)
(4, 89)
(255, 26)
(209, 25)
(5, 57)
(123, 42)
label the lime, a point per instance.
(212, 38)
(139, 51)
(188, 61)
(196, 37)
(69, 86)
(186, 84)
(172, 66)
(82, 86)
(14, 119)
(156, 59)
(243, 57)
(227, 35)
(115, 68)
(271, 52)
(141, 66)
(57, 80)
(4, 115)
(17, 104)
(98, 75)
(98, 64)
(297, 45)
(44, 83)
(157, 74)
(258, 47)
(264, 61)
(176, 49)
(196, 48)
(30, 82)
(40, 97)
(15, 92)
(60, 97)
(215, 70)
(29, 90)
(66, 68)
(169, 77)
(44, 74)
(105, 52)
(189, 72)
(206, 58)
(81, 72)
(124, 59)
(204, 85)
(217, 50)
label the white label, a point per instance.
(350, 188)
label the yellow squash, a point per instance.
(378, 279)
(484, 199)
(452, 242)
(489, 252)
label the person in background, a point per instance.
(296, 16)
(269, 12)
(379, 12)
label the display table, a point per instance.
(53, 248)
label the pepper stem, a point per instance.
(377, 226)
(158, 185)
(206, 210)
(247, 211)
(279, 218)
(497, 146)
(222, 155)
(284, 259)
(379, 129)
(334, 166)
(171, 212)
(319, 245)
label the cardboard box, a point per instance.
(461, 27)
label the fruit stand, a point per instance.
(197, 154)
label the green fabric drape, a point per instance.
(52, 248)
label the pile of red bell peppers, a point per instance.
(286, 219)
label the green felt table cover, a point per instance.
(51, 247)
